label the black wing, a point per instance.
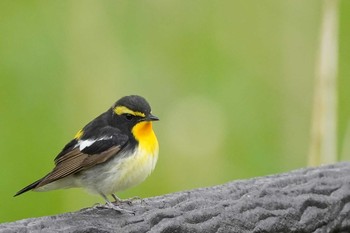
(77, 156)
(86, 153)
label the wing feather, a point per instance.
(78, 162)
(72, 160)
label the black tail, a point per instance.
(29, 187)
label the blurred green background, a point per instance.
(232, 82)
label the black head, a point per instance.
(135, 103)
(132, 109)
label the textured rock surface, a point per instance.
(306, 200)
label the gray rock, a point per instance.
(305, 200)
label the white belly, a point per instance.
(119, 173)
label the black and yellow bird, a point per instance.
(115, 151)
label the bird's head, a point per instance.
(133, 110)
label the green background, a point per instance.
(231, 81)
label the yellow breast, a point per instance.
(146, 137)
(134, 169)
(125, 170)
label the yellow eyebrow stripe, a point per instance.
(119, 110)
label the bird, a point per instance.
(115, 151)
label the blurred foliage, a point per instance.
(231, 81)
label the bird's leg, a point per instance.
(117, 199)
(110, 205)
(129, 200)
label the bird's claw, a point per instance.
(114, 207)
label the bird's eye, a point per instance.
(129, 116)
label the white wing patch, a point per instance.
(88, 142)
(85, 143)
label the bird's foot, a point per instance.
(127, 201)
(110, 205)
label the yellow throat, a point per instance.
(146, 137)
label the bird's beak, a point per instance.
(150, 117)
